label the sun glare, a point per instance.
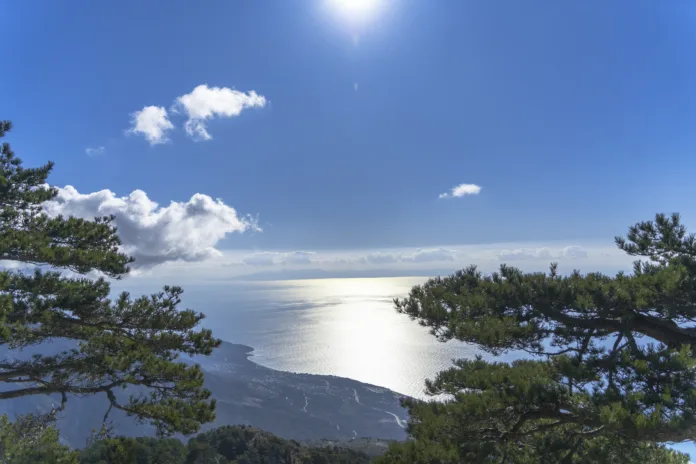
(356, 9)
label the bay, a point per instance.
(342, 327)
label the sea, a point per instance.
(342, 327)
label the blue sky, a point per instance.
(575, 118)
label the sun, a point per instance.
(356, 9)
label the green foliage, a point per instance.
(238, 444)
(119, 343)
(609, 369)
(32, 439)
(135, 450)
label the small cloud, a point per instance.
(270, 258)
(355, 86)
(298, 257)
(461, 190)
(419, 256)
(96, 151)
(525, 254)
(260, 259)
(522, 254)
(428, 256)
(151, 122)
(205, 103)
(574, 252)
(382, 258)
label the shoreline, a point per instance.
(248, 353)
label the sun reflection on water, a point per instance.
(349, 328)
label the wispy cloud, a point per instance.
(271, 258)
(152, 122)
(527, 254)
(95, 151)
(382, 258)
(574, 252)
(205, 103)
(418, 256)
(426, 258)
(299, 257)
(266, 258)
(461, 190)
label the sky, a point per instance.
(276, 139)
(249, 137)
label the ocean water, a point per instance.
(342, 327)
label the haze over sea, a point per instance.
(343, 327)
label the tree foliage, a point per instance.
(117, 343)
(608, 370)
(31, 439)
(141, 450)
(228, 444)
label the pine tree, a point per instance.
(607, 373)
(31, 439)
(124, 342)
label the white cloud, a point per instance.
(260, 259)
(525, 254)
(382, 258)
(205, 103)
(461, 190)
(419, 256)
(298, 257)
(429, 256)
(270, 258)
(96, 151)
(574, 252)
(151, 122)
(601, 257)
(152, 234)
(521, 254)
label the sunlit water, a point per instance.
(343, 327)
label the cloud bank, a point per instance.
(301, 258)
(153, 234)
(418, 256)
(527, 254)
(305, 264)
(461, 190)
(272, 258)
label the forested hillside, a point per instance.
(228, 444)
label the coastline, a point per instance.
(244, 354)
(298, 405)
